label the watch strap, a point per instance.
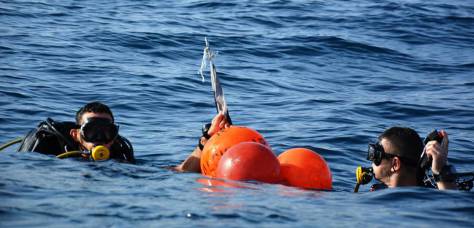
(447, 174)
(205, 130)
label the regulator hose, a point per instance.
(12, 142)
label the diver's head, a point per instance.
(95, 126)
(93, 107)
(395, 156)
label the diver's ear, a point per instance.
(396, 164)
(74, 134)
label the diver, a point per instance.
(401, 158)
(94, 128)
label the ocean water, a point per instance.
(329, 75)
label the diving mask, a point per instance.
(99, 130)
(376, 153)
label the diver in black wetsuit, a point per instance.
(94, 126)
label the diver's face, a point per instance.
(383, 172)
(79, 137)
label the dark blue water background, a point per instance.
(330, 75)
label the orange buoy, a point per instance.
(249, 161)
(219, 143)
(305, 168)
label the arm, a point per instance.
(193, 162)
(439, 154)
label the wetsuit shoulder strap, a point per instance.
(49, 137)
(61, 130)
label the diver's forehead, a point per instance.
(88, 115)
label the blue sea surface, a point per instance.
(328, 75)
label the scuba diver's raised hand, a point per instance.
(442, 172)
(219, 122)
(438, 152)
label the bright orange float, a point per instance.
(219, 143)
(305, 168)
(249, 161)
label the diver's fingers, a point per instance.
(216, 124)
(432, 149)
(217, 118)
(438, 155)
(224, 122)
(445, 142)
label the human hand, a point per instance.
(218, 123)
(438, 153)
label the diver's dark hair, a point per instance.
(405, 141)
(95, 107)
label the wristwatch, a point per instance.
(205, 130)
(447, 174)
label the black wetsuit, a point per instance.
(51, 137)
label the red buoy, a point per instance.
(304, 168)
(219, 143)
(249, 161)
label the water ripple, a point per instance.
(329, 76)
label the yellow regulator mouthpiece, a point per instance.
(364, 175)
(100, 153)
